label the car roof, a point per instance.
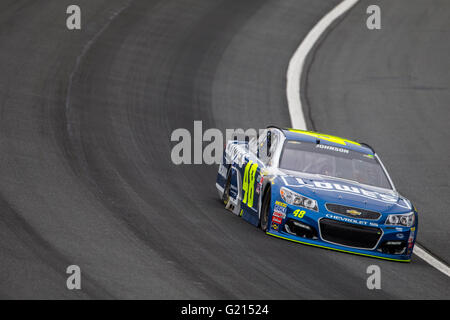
(326, 139)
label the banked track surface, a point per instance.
(87, 179)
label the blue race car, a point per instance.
(319, 190)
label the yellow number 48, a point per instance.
(299, 213)
(248, 183)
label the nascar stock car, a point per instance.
(319, 190)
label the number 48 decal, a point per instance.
(248, 184)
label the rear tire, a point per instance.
(226, 190)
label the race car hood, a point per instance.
(326, 189)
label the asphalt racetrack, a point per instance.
(86, 117)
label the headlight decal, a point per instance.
(404, 220)
(296, 199)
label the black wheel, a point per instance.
(226, 190)
(264, 219)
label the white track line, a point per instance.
(295, 67)
(294, 73)
(442, 267)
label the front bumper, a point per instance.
(335, 232)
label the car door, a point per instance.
(252, 175)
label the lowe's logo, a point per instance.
(354, 190)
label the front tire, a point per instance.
(264, 219)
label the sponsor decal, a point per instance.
(345, 219)
(280, 209)
(279, 203)
(275, 226)
(259, 184)
(279, 214)
(337, 149)
(276, 219)
(292, 181)
(355, 190)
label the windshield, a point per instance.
(334, 162)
